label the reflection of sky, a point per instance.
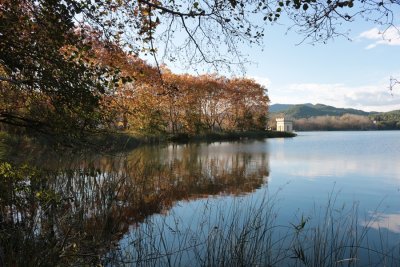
(328, 154)
(370, 155)
(306, 172)
(389, 221)
(360, 167)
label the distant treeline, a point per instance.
(334, 123)
(387, 120)
(347, 122)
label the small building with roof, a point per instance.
(284, 125)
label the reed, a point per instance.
(84, 217)
(246, 233)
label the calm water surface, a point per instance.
(301, 174)
(176, 205)
(359, 167)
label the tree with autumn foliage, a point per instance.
(195, 104)
(48, 80)
(53, 81)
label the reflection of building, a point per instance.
(284, 125)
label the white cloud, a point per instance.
(367, 97)
(262, 80)
(370, 46)
(373, 34)
(381, 220)
(389, 36)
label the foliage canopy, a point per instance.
(53, 77)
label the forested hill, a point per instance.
(309, 110)
(319, 117)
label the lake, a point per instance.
(319, 199)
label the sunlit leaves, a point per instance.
(61, 60)
(50, 66)
(192, 104)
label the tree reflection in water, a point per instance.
(72, 209)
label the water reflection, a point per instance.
(197, 199)
(71, 209)
(389, 221)
(316, 155)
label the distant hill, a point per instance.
(319, 117)
(310, 110)
(276, 108)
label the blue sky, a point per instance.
(341, 73)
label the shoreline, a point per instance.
(120, 141)
(130, 141)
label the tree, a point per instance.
(249, 104)
(393, 83)
(210, 31)
(48, 81)
(213, 29)
(51, 79)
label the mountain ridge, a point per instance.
(308, 110)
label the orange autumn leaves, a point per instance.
(156, 103)
(141, 99)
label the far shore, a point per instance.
(123, 141)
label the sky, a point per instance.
(343, 73)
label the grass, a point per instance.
(247, 234)
(84, 217)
